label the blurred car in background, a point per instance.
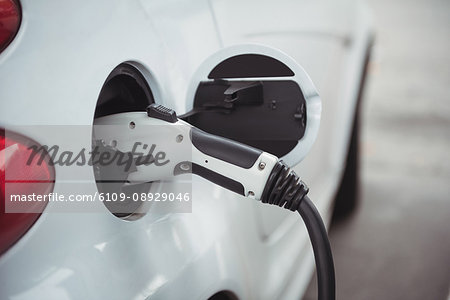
(66, 63)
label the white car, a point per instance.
(70, 63)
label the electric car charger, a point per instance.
(237, 167)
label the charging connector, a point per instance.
(237, 167)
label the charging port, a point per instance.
(125, 90)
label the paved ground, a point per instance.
(397, 243)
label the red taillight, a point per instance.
(9, 21)
(19, 176)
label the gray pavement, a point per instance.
(397, 243)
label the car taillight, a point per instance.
(10, 16)
(20, 177)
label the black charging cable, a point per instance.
(285, 189)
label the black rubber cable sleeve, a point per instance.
(284, 188)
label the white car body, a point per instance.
(52, 73)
